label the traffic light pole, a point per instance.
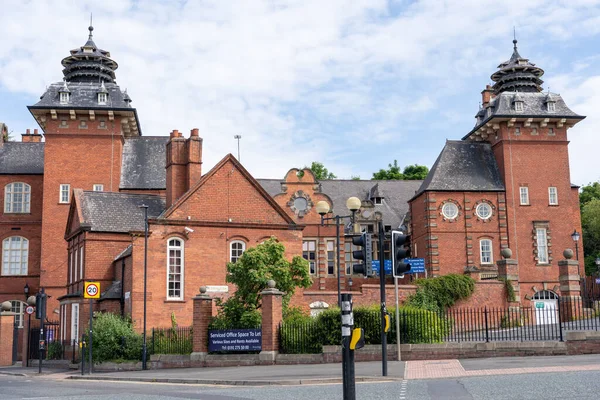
(382, 293)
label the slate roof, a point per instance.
(22, 158)
(143, 164)
(118, 212)
(534, 106)
(84, 95)
(464, 167)
(113, 292)
(125, 253)
(395, 195)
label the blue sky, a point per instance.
(353, 84)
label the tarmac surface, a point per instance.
(330, 373)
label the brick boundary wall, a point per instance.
(578, 342)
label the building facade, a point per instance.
(74, 203)
(506, 184)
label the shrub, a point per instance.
(54, 351)
(421, 326)
(115, 338)
(301, 336)
(510, 290)
(438, 294)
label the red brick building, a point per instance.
(506, 184)
(72, 202)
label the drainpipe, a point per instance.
(123, 287)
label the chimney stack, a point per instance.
(486, 96)
(184, 161)
(28, 137)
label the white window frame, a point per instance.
(64, 193)
(98, 187)
(518, 106)
(517, 130)
(64, 97)
(10, 193)
(181, 248)
(551, 132)
(524, 195)
(444, 212)
(18, 307)
(306, 248)
(81, 262)
(478, 209)
(71, 265)
(541, 238)
(552, 196)
(330, 248)
(75, 322)
(63, 324)
(551, 106)
(8, 257)
(102, 98)
(236, 253)
(486, 253)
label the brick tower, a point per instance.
(85, 119)
(527, 129)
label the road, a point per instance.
(564, 385)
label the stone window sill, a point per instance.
(174, 301)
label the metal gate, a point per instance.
(51, 333)
(546, 307)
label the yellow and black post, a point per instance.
(349, 392)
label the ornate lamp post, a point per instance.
(353, 204)
(575, 236)
(26, 290)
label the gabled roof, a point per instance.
(117, 212)
(144, 162)
(22, 158)
(464, 167)
(229, 158)
(394, 194)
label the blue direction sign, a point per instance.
(417, 266)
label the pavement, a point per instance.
(331, 373)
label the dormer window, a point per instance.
(518, 106)
(489, 112)
(64, 98)
(377, 200)
(102, 98)
(551, 106)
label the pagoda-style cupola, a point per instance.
(517, 75)
(89, 64)
(64, 93)
(102, 95)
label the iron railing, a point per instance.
(300, 337)
(171, 340)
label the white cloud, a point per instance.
(299, 80)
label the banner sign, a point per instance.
(235, 340)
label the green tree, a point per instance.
(320, 172)
(590, 224)
(251, 273)
(415, 172)
(588, 193)
(410, 172)
(392, 173)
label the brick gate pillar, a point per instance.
(272, 315)
(203, 313)
(570, 289)
(508, 269)
(7, 325)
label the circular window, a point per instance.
(484, 211)
(300, 204)
(450, 210)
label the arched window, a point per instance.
(485, 248)
(175, 269)
(17, 196)
(18, 307)
(15, 253)
(236, 249)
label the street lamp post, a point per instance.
(353, 204)
(144, 348)
(575, 236)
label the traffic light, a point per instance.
(400, 251)
(40, 305)
(364, 253)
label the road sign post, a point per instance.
(91, 291)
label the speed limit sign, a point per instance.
(91, 290)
